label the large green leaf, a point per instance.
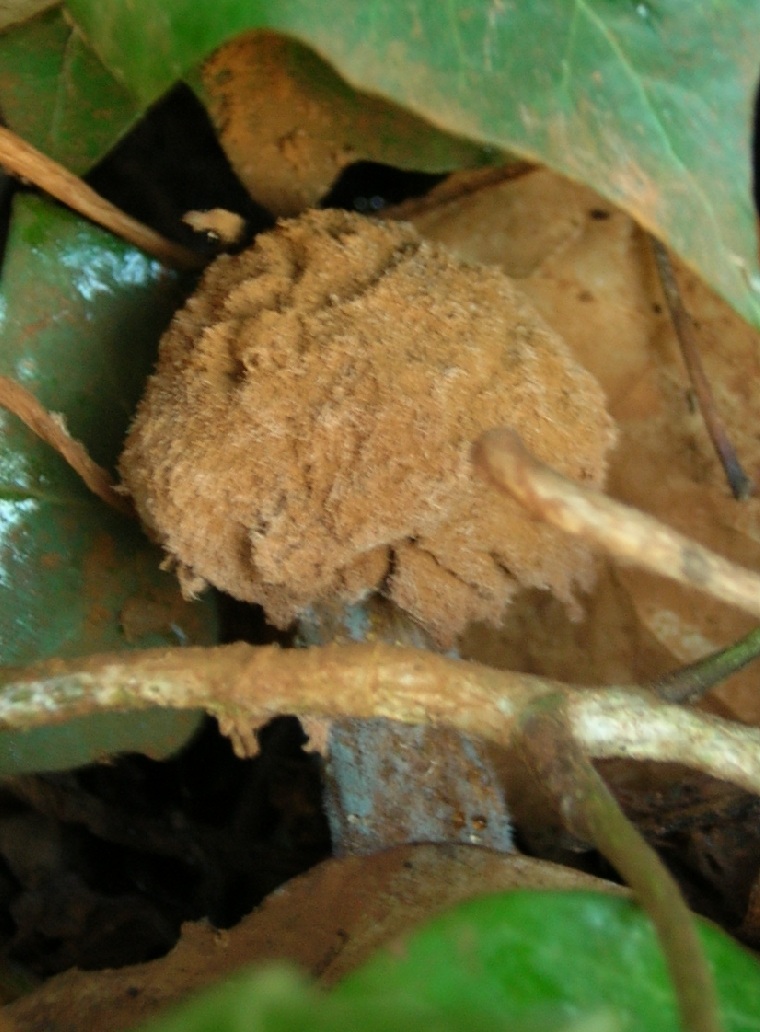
(647, 102)
(80, 316)
(523, 961)
(277, 999)
(572, 953)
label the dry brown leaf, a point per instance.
(328, 921)
(289, 124)
(589, 271)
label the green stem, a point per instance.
(591, 811)
(693, 681)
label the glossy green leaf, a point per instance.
(574, 953)
(80, 316)
(524, 961)
(648, 102)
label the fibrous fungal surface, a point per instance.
(307, 432)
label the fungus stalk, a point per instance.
(388, 783)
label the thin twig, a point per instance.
(51, 428)
(740, 484)
(19, 158)
(691, 682)
(590, 811)
(623, 532)
(244, 687)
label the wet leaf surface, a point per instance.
(80, 315)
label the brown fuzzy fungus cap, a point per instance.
(306, 435)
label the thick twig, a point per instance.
(245, 686)
(19, 158)
(50, 427)
(590, 811)
(621, 531)
(740, 484)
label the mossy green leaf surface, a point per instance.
(80, 317)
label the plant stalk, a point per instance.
(21, 159)
(621, 531)
(691, 682)
(592, 812)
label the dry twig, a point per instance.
(740, 484)
(19, 158)
(51, 428)
(621, 531)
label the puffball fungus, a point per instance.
(306, 435)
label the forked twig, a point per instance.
(19, 158)
(51, 428)
(740, 484)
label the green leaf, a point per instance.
(278, 999)
(530, 961)
(648, 102)
(57, 95)
(80, 316)
(574, 953)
